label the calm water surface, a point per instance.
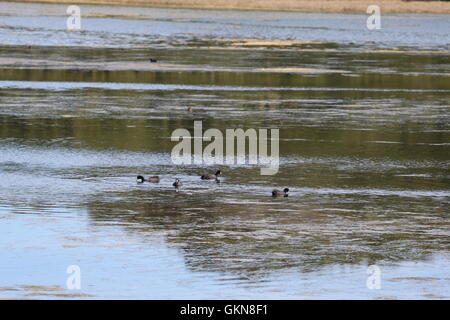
(364, 147)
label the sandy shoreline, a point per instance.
(342, 6)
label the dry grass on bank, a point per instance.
(387, 6)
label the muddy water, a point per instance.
(364, 148)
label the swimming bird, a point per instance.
(277, 193)
(177, 184)
(152, 60)
(211, 176)
(154, 179)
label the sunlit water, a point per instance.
(364, 148)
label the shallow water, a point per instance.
(364, 149)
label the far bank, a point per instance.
(336, 6)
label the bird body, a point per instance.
(154, 179)
(278, 193)
(211, 176)
(177, 183)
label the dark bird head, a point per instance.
(218, 172)
(286, 190)
(140, 179)
(177, 184)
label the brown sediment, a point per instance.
(60, 295)
(264, 43)
(54, 291)
(414, 279)
(116, 16)
(42, 288)
(22, 63)
(434, 296)
(350, 6)
(78, 239)
(300, 70)
(405, 51)
(8, 289)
